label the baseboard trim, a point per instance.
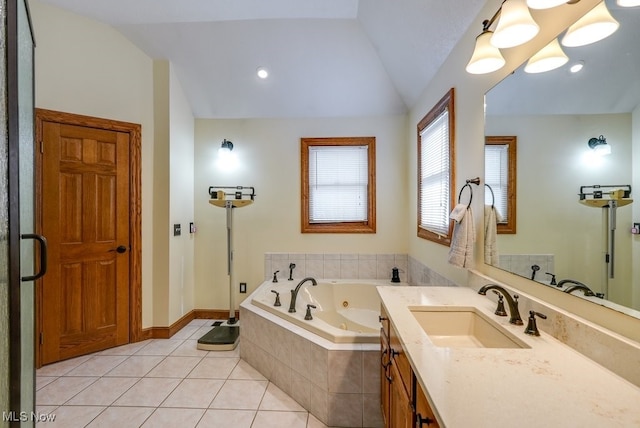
(167, 332)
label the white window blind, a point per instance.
(435, 172)
(496, 175)
(338, 184)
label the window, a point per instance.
(500, 175)
(436, 168)
(338, 185)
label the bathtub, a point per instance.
(346, 310)
(330, 364)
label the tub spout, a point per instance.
(294, 293)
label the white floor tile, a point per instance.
(160, 347)
(219, 418)
(128, 349)
(240, 395)
(178, 367)
(73, 416)
(136, 366)
(62, 389)
(244, 371)
(103, 392)
(214, 368)
(63, 367)
(194, 393)
(97, 365)
(189, 349)
(148, 392)
(122, 417)
(275, 399)
(271, 419)
(171, 418)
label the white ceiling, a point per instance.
(325, 57)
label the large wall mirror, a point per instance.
(554, 115)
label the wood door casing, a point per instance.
(89, 204)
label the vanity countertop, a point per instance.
(548, 385)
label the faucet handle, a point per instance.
(500, 311)
(308, 316)
(532, 327)
(275, 276)
(277, 302)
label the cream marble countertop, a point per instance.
(548, 385)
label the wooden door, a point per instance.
(85, 216)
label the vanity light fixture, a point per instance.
(596, 25)
(599, 146)
(548, 58)
(486, 58)
(515, 25)
(628, 3)
(225, 148)
(544, 4)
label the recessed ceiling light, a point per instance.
(576, 67)
(262, 73)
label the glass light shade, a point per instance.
(602, 149)
(628, 3)
(486, 58)
(596, 25)
(548, 58)
(515, 25)
(544, 4)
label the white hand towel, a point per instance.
(490, 234)
(458, 212)
(461, 248)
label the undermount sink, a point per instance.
(463, 327)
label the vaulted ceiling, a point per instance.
(325, 58)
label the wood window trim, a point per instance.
(511, 141)
(135, 211)
(368, 226)
(445, 103)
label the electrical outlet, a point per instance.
(243, 287)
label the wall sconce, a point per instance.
(596, 25)
(548, 58)
(544, 4)
(226, 158)
(599, 146)
(486, 58)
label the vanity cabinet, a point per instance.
(404, 404)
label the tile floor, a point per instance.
(164, 383)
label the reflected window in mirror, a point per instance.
(436, 161)
(500, 177)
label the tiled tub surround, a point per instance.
(520, 264)
(339, 383)
(351, 266)
(612, 351)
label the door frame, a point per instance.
(135, 209)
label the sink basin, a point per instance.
(463, 327)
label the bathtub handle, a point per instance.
(308, 316)
(277, 302)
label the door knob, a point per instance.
(121, 249)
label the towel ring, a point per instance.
(470, 194)
(493, 197)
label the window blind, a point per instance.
(496, 175)
(338, 183)
(434, 179)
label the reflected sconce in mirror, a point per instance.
(596, 25)
(599, 146)
(548, 58)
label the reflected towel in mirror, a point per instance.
(491, 218)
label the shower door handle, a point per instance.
(43, 256)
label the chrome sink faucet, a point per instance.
(511, 301)
(294, 293)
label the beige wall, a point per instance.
(635, 207)
(470, 91)
(269, 155)
(85, 67)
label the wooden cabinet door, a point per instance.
(424, 414)
(385, 383)
(400, 406)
